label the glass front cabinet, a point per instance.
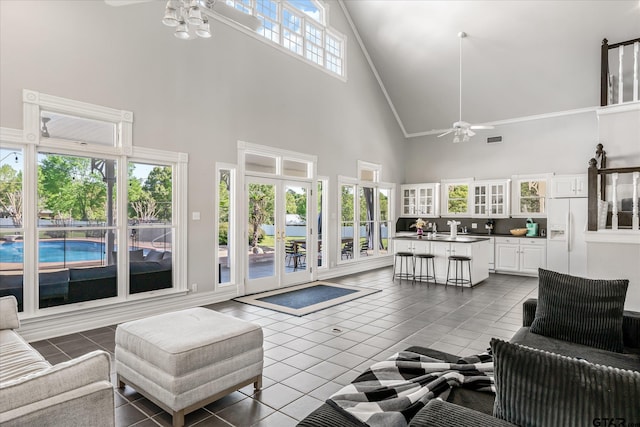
(491, 199)
(420, 200)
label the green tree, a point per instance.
(11, 193)
(223, 207)
(458, 200)
(70, 189)
(159, 187)
(261, 203)
(346, 203)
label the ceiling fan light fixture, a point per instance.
(182, 31)
(170, 18)
(195, 16)
(204, 30)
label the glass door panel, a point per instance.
(296, 252)
(262, 231)
(278, 234)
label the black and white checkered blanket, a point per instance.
(391, 392)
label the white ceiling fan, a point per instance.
(462, 130)
(192, 16)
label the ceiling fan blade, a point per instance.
(117, 3)
(236, 15)
(482, 127)
(446, 133)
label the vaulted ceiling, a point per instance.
(520, 58)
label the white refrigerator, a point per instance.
(566, 225)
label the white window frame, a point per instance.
(515, 194)
(326, 236)
(31, 143)
(329, 34)
(231, 230)
(444, 184)
(376, 186)
(374, 168)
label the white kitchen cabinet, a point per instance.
(520, 255)
(507, 254)
(420, 200)
(533, 255)
(569, 186)
(491, 199)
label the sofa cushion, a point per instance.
(538, 388)
(91, 273)
(9, 313)
(524, 336)
(154, 255)
(579, 310)
(136, 255)
(18, 358)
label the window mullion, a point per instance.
(30, 227)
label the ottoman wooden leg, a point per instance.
(178, 419)
(257, 385)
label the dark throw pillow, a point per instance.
(579, 310)
(538, 388)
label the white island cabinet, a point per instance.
(477, 248)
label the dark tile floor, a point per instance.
(308, 358)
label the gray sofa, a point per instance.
(575, 361)
(35, 393)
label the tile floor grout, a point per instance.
(306, 360)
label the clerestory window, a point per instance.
(299, 27)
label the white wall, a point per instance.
(617, 261)
(560, 145)
(198, 96)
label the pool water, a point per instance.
(55, 251)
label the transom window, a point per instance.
(300, 27)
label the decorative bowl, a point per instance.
(518, 231)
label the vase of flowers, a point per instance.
(418, 225)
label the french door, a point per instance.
(278, 233)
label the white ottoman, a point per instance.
(187, 359)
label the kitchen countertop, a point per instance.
(403, 234)
(465, 238)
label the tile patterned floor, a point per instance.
(308, 358)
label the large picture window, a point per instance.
(76, 229)
(150, 231)
(368, 236)
(85, 217)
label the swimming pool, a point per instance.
(55, 251)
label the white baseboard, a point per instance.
(44, 327)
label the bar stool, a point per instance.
(406, 272)
(459, 279)
(419, 260)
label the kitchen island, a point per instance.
(442, 246)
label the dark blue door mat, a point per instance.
(308, 298)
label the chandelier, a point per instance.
(187, 18)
